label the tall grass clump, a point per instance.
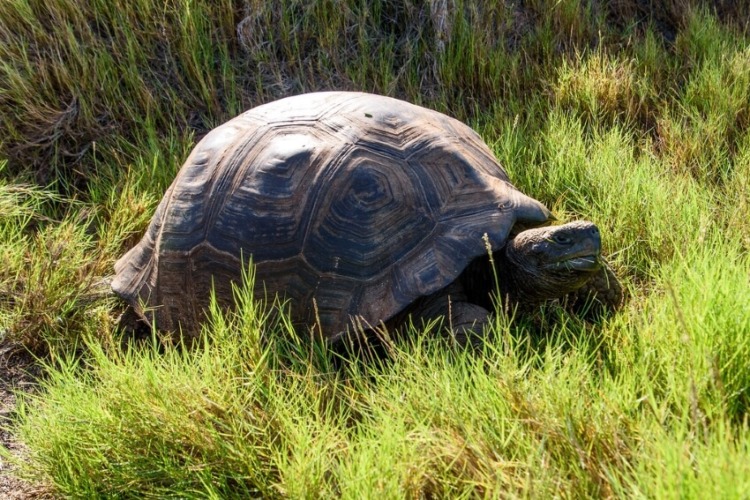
(78, 74)
(46, 274)
(77, 78)
(58, 253)
(684, 361)
(239, 416)
(703, 305)
(736, 195)
(208, 421)
(602, 90)
(703, 134)
(646, 215)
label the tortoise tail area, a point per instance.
(135, 272)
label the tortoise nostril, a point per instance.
(595, 236)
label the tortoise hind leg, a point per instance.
(602, 294)
(133, 325)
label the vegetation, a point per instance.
(635, 117)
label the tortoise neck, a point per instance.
(516, 283)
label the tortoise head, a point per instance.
(548, 262)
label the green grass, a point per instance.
(636, 119)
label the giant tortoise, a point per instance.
(358, 209)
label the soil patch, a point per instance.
(18, 372)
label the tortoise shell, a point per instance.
(350, 205)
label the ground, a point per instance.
(17, 372)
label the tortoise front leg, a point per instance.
(603, 293)
(463, 321)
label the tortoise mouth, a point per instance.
(587, 262)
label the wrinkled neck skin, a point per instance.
(515, 285)
(520, 283)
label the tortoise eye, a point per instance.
(505, 205)
(562, 239)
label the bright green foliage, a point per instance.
(636, 117)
